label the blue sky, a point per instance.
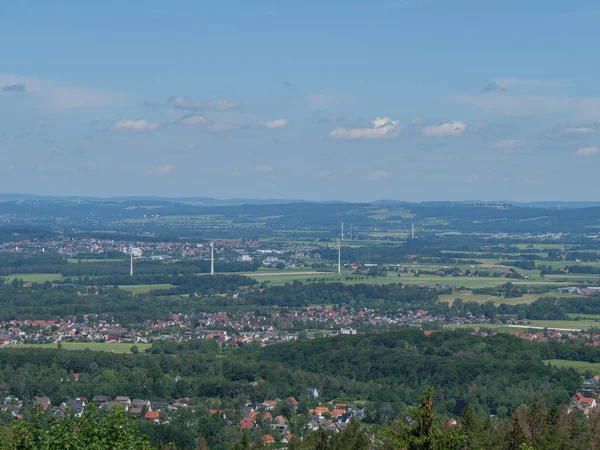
(351, 100)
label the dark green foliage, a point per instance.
(116, 430)
(426, 433)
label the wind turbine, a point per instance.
(131, 260)
(212, 258)
(412, 226)
(342, 229)
(339, 257)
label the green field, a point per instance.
(582, 366)
(572, 324)
(282, 277)
(468, 296)
(566, 325)
(144, 288)
(95, 346)
(278, 277)
(36, 277)
(98, 260)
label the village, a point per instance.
(271, 417)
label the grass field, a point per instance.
(584, 316)
(282, 277)
(95, 346)
(572, 324)
(468, 296)
(582, 366)
(76, 261)
(469, 282)
(144, 288)
(36, 277)
(560, 325)
(287, 276)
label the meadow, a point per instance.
(144, 288)
(582, 366)
(36, 277)
(116, 347)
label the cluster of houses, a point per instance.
(544, 336)
(589, 397)
(587, 291)
(235, 250)
(332, 417)
(144, 409)
(265, 329)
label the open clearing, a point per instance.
(98, 260)
(578, 365)
(282, 277)
(276, 274)
(468, 296)
(144, 288)
(558, 325)
(94, 346)
(36, 277)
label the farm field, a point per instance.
(571, 324)
(85, 261)
(560, 325)
(470, 282)
(36, 277)
(117, 347)
(144, 288)
(468, 296)
(584, 316)
(582, 366)
(282, 277)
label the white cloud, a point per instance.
(162, 169)
(587, 151)
(496, 103)
(53, 94)
(181, 102)
(455, 128)
(263, 169)
(418, 121)
(507, 144)
(135, 125)
(272, 125)
(382, 128)
(579, 130)
(377, 175)
(195, 119)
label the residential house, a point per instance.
(153, 416)
(100, 399)
(124, 401)
(159, 404)
(268, 439)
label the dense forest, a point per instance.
(387, 371)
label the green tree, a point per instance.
(426, 434)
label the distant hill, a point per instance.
(209, 201)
